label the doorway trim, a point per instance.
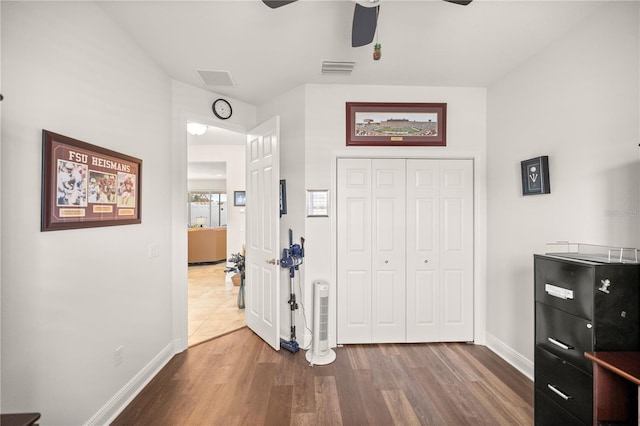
(179, 189)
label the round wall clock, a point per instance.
(221, 109)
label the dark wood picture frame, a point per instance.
(535, 176)
(86, 186)
(396, 124)
(239, 198)
(283, 197)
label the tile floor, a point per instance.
(213, 310)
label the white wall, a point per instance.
(290, 107)
(325, 130)
(207, 184)
(69, 298)
(312, 122)
(577, 102)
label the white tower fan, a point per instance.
(320, 353)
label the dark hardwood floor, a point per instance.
(238, 379)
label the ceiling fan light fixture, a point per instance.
(337, 67)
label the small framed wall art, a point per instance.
(86, 186)
(317, 203)
(283, 197)
(239, 198)
(535, 176)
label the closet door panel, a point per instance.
(424, 306)
(388, 251)
(385, 231)
(358, 312)
(423, 242)
(423, 221)
(453, 226)
(452, 295)
(383, 295)
(456, 258)
(354, 251)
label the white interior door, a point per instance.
(456, 250)
(439, 250)
(354, 250)
(371, 250)
(423, 250)
(262, 284)
(388, 250)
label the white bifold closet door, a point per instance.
(404, 231)
(371, 241)
(388, 250)
(439, 250)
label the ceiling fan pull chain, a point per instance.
(377, 47)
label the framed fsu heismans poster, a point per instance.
(85, 186)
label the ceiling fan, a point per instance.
(365, 18)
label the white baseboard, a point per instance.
(518, 361)
(124, 396)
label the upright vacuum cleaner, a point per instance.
(292, 259)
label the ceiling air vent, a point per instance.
(337, 67)
(216, 78)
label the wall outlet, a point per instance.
(119, 355)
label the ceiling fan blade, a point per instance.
(460, 2)
(365, 20)
(273, 4)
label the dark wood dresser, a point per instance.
(616, 381)
(19, 419)
(580, 306)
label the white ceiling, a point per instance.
(269, 51)
(205, 166)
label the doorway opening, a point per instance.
(215, 168)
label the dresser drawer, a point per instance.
(565, 285)
(548, 413)
(564, 384)
(564, 335)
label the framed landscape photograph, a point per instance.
(86, 186)
(396, 124)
